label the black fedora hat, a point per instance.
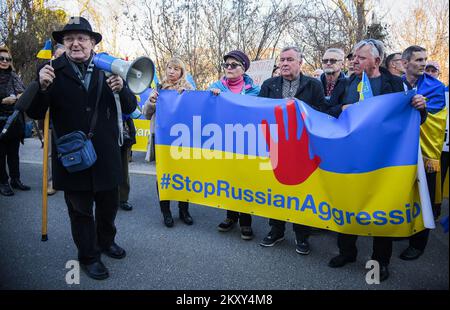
(78, 24)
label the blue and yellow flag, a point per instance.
(364, 88)
(281, 159)
(46, 52)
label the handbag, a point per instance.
(75, 150)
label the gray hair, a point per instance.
(407, 54)
(337, 51)
(377, 49)
(295, 49)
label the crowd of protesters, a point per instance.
(331, 89)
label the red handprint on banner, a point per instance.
(290, 158)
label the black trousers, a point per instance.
(165, 204)
(278, 227)
(124, 187)
(243, 218)
(382, 248)
(91, 234)
(9, 152)
(419, 241)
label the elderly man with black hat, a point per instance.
(76, 92)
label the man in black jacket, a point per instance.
(368, 56)
(292, 83)
(69, 88)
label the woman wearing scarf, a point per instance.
(175, 79)
(11, 87)
(236, 63)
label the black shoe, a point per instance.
(17, 184)
(271, 239)
(96, 270)
(6, 190)
(340, 260)
(384, 273)
(411, 253)
(126, 206)
(168, 220)
(115, 251)
(302, 247)
(246, 233)
(186, 217)
(226, 225)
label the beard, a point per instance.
(329, 71)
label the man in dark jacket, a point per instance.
(69, 88)
(368, 56)
(292, 83)
(332, 65)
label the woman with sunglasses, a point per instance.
(236, 63)
(11, 87)
(174, 79)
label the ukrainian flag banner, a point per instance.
(281, 159)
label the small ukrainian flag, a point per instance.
(46, 52)
(364, 88)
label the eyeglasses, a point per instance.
(81, 39)
(5, 59)
(231, 65)
(331, 61)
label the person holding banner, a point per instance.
(174, 79)
(11, 87)
(431, 134)
(81, 99)
(367, 57)
(292, 84)
(236, 63)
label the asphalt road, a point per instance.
(194, 257)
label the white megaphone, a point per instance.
(138, 73)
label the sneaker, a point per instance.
(51, 191)
(246, 233)
(302, 247)
(271, 239)
(226, 225)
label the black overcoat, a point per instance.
(71, 108)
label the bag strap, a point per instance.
(99, 93)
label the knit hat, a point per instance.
(239, 56)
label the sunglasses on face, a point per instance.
(231, 65)
(330, 61)
(5, 59)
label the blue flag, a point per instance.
(434, 92)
